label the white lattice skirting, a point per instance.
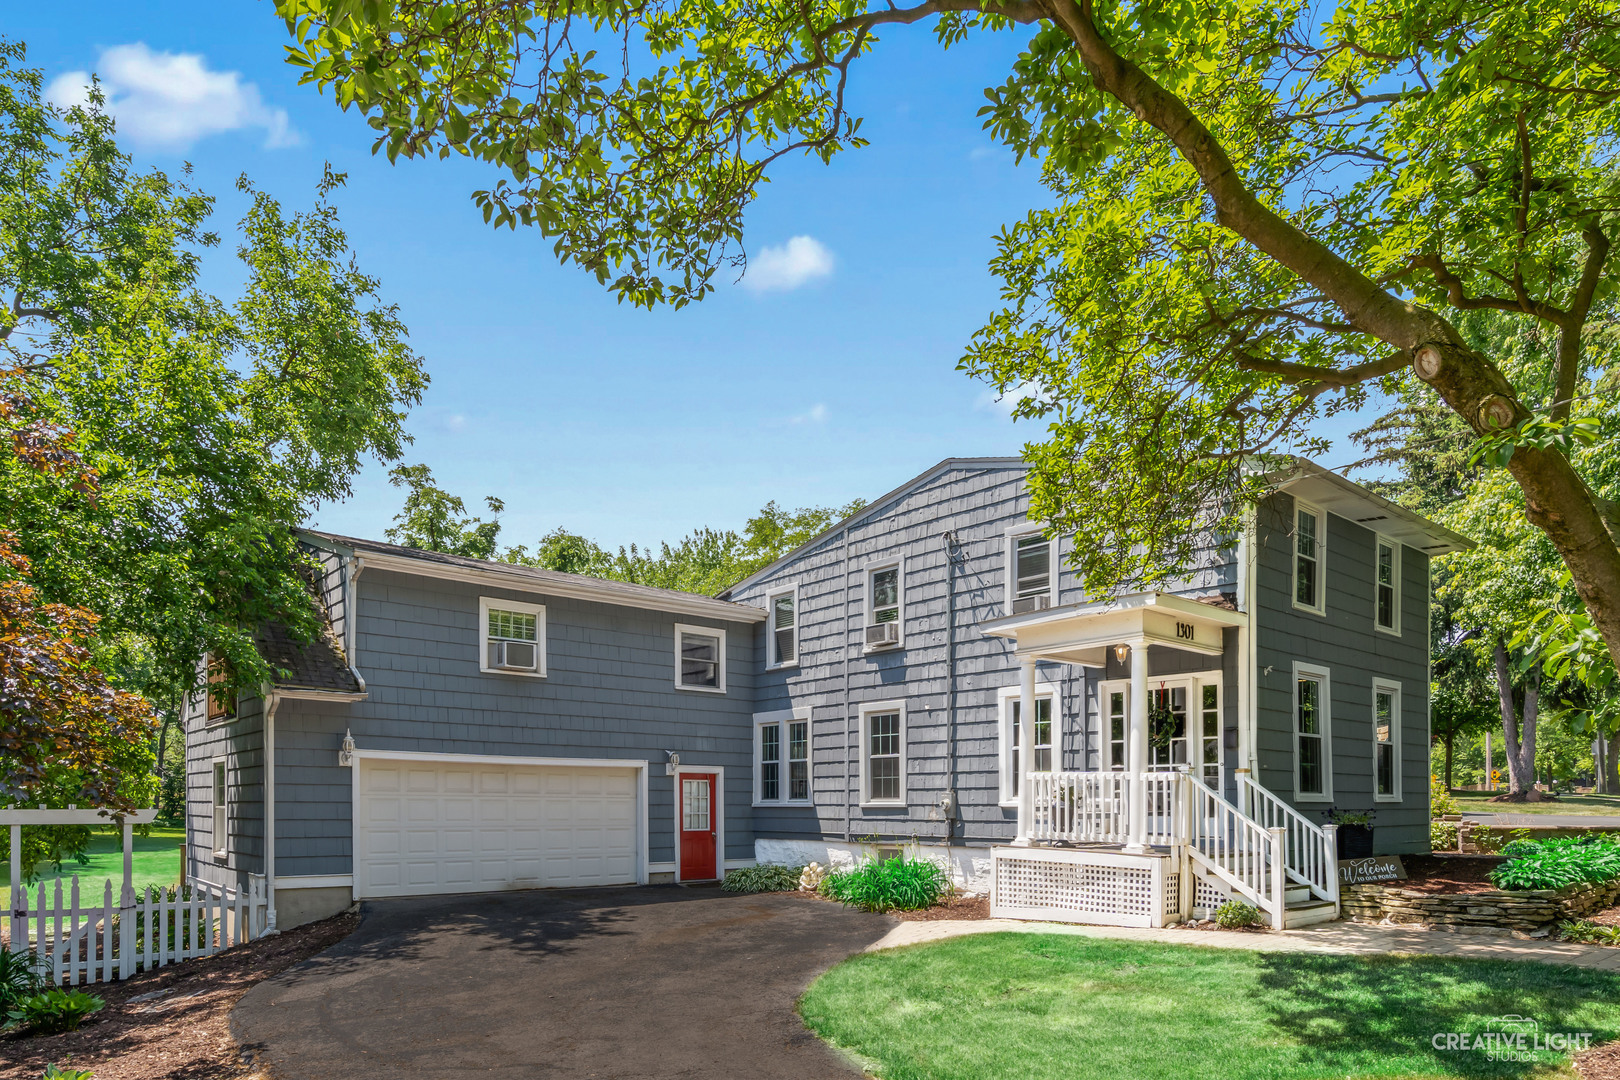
(1104, 888)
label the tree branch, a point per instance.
(1569, 340)
(1325, 377)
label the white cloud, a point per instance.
(168, 101)
(990, 401)
(780, 269)
(815, 414)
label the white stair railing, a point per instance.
(1233, 847)
(1310, 850)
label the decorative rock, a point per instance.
(1527, 910)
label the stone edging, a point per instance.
(1524, 910)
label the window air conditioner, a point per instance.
(1025, 604)
(512, 655)
(881, 635)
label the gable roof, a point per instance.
(1330, 491)
(319, 666)
(877, 504)
(533, 579)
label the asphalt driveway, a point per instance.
(654, 982)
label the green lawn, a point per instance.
(1038, 1006)
(1479, 802)
(156, 859)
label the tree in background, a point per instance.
(434, 520)
(1493, 637)
(705, 561)
(1263, 210)
(212, 428)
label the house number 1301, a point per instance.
(1186, 631)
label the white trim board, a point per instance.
(316, 881)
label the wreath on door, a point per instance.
(1161, 723)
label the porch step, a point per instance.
(1307, 913)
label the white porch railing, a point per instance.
(1095, 807)
(1310, 852)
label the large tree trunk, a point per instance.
(1518, 748)
(1611, 765)
(1557, 501)
(1451, 754)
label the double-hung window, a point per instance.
(514, 637)
(884, 595)
(1313, 734)
(782, 743)
(783, 609)
(1043, 737)
(221, 841)
(1387, 586)
(883, 754)
(700, 659)
(1310, 543)
(1386, 740)
(1030, 569)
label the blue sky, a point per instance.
(624, 425)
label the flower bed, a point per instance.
(1524, 910)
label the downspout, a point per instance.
(271, 701)
(849, 739)
(947, 807)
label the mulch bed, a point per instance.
(184, 1034)
(1448, 873)
(957, 907)
(1600, 1062)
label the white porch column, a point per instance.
(1138, 747)
(1026, 712)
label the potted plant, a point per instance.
(1355, 834)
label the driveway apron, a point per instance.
(652, 982)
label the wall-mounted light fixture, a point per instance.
(346, 754)
(673, 762)
(1122, 652)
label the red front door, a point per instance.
(697, 812)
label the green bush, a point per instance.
(1235, 915)
(56, 1072)
(756, 879)
(891, 885)
(19, 978)
(1559, 862)
(1589, 933)
(53, 1010)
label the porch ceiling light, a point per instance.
(1122, 652)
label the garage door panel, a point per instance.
(453, 828)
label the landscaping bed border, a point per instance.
(1527, 910)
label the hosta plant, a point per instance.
(53, 1010)
(764, 878)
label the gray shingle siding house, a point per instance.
(511, 727)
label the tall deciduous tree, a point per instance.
(211, 428)
(1262, 210)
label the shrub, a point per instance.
(1442, 835)
(56, 1072)
(1559, 862)
(53, 1010)
(1235, 915)
(755, 879)
(19, 978)
(1440, 800)
(1588, 932)
(892, 885)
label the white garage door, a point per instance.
(431, 827)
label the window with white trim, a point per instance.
(884, 598)
(783, 608)
(1313, 730)
(1209, 733)
(700, 659)
(1031, 572)
(221, 841)
(1387, 586)
(883, 755)
(782, 748)
(1046, 735)
(1118, 721)
(1310, 543)
(514, 637)
(1386, 740)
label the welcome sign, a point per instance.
(1371, 871)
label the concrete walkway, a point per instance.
(1337, 937)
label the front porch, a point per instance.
(1153, 839)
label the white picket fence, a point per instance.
(78, 938)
